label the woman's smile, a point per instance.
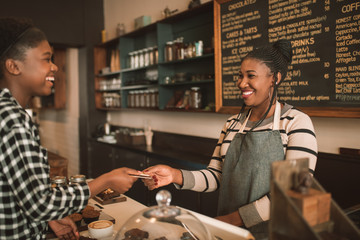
(246, 93)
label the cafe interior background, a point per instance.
(76, 26)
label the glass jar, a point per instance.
(146, 57)
(136, 59)
(156, 93)
(195, 98)
(77, 179)
(58, 181)
(132, 59)
(141, 58)
(199, 46)
(142, 98)
(169, 52)
(137, 99)
(130, 99)
(147, 98)
(156, 55)
(117, 102)
(151, 56)
(152, 98)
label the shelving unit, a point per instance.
(192, 25)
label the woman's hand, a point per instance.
(162, 175)
(64, 229)
(118, 180)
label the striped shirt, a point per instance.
(27, 199)
(299, 141)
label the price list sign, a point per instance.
(347, 47)
(325, 38)
(242, 29)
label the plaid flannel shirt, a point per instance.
(27, 200)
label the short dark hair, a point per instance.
(17, 35)
(276, 56)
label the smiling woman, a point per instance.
(29, 202)
(26, 60)
(264, 132)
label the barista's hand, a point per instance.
(162, 175)
(64, 229)
(120, 180)
(233, 218)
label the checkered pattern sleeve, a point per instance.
(28, 201)
(27, 170)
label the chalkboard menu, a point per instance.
(324, 77)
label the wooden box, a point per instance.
(315, 205)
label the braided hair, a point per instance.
(17, 35)
(277, 57)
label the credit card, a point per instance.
(142, 175)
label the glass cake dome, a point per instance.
(163, 222)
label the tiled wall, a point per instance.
(59, 129)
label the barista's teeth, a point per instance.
(51, 79)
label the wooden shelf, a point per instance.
(192, 25)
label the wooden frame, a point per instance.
(341, 112)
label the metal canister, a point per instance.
(169, 56)
(77, 179)
(156, 55)
(195, 98)
(151, 56)
(132, 59)
(58, 181)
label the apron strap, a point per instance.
(241, 130)
(276, 121)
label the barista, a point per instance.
(249, 142)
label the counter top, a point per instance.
(122, 211)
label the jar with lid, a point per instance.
(77, 179)
(146, 57)
(132, 59)
(156, 55)
(151, 55)
(199, 46)
(137, 99)
(142, 98)
(169, 51)
(136, 59)
(195, 98)
(156, 93)
(147, 98)
(179, 48)
(141, 58)
(58, 181)
(130, 99)
(152, 98)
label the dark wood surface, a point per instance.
(339, 175)
(176, 147)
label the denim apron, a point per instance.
(247, 168)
